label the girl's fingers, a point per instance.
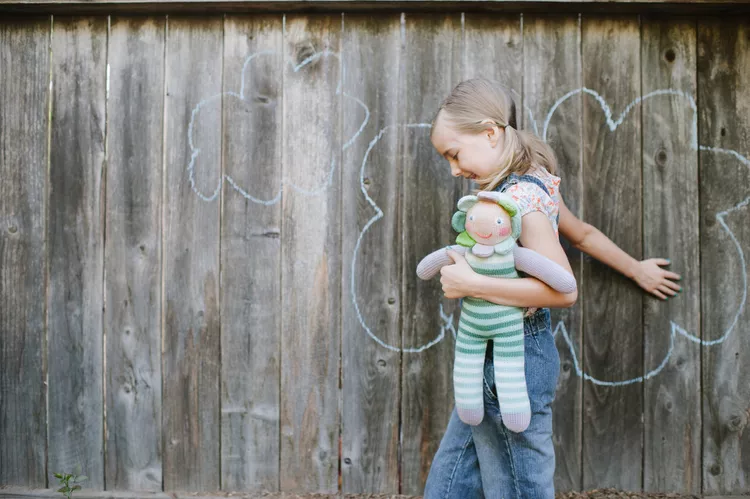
(672, 285)
(659, 294)
(667, 291)
(672, 275)
(662, 261)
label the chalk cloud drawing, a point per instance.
(675, 329)
(613, 124)
(241, 96)
(446, 320)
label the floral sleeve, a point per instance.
(530, 197)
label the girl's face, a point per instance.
(470, 155)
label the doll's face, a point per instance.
(487, 223)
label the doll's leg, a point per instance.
(468, 376)
(510, 377)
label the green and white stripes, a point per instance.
(481, 321)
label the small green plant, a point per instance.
(68, 479)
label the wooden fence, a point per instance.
(210, 228)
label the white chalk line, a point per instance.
(675, 329)
(196, 151)
(447, 321)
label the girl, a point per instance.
(475, 130)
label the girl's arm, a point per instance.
(459, 280)
(647, 273)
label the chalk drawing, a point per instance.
(447, 321)
(675, 329)
(196, 151)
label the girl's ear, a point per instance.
(492, 131)
(459, 221)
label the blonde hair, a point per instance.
(473, 101)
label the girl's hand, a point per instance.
(458, 280)
(654, 279)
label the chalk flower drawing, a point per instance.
(676, 329)
(241, 96)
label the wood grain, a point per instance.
(191, 232)
(371, 372)
(24, 112)
(672, 419)
(132, 255)
(311, 255)
(612, 319)
(723, 69)
(75, 234)
(251, 253)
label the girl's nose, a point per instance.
(455, 171)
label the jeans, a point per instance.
(488, 460)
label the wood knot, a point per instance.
(304, 51)
(735, 423)
(661, 157)
(670, 55)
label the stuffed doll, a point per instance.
(489, 225)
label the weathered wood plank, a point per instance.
(24, 111)
(75, 233)
(672, 417)
(493, 48)
(251, 253)
(311, 255)
(192, 334)
(724, 121)
(612, 321)
(552, 68)
(431, 68)
(132, 254)
(371, 255)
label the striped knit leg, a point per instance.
(510, 379)
(468, 377)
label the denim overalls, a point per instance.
(488, 461)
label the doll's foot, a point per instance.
(470, 416)
(517, 422)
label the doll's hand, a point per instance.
(654, 279)
(458, 280)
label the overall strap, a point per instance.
(514, 178)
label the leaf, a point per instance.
(81, 478)
(77, 469)
(77, 487)
(62, 489)
(58, 475)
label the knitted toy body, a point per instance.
(494, 219)
(481, 321)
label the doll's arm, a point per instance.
(544, 269)
(432, 263)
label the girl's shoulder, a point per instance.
(546, 187)
(530, 196)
